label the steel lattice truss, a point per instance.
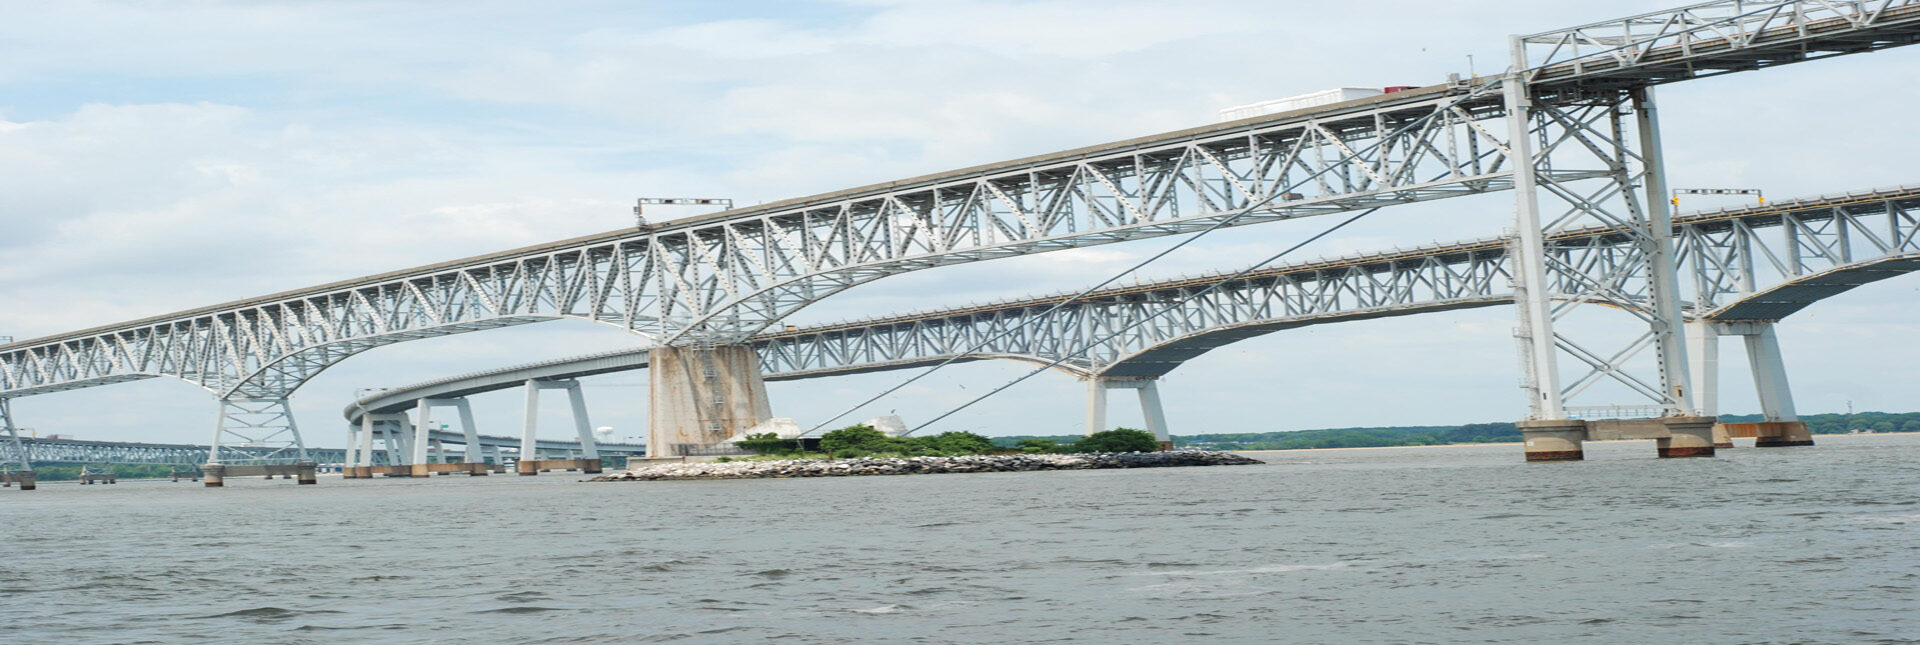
(732, 275)
(1451, 276)
(1553, 129)
(68, 451)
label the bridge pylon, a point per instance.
(1587, 157)
(701, 395)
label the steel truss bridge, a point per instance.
(74, 451)
(1747, 266)
(1570, 129)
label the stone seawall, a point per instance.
(927, 465)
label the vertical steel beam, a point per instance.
(13, 436)
(1540, 374)
(1663, 283)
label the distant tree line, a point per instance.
(1378, 437)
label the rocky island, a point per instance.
(926, 465)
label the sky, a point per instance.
(160, 156)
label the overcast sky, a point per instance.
(160, 156)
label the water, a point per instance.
(1395, 545)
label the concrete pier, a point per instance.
(702, 396)
(305, 472)
(1554, 439)
(98, 476)
(1722, 439)
(1687, 437)
(25, 478)
(1780, 434)
(530, 467)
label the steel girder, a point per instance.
(1713, 38)
(1449, 276)
(1741, 274)
(1439, 277)
(720, 279)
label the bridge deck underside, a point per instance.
(1788, 299)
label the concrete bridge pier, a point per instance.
(702, 395)
(1150, 409)
(1687, 437)
(530, 463)
(1782, 425)
(1554, 439)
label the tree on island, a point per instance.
(1118, 440)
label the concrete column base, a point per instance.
(1166, 446)
(1722, 440)
(1554, 439)
(1781, 434)
(1687, 437)
(25, 478)
(215, 474)
(306, 473)
(537, 466)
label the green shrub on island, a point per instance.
(1118, 440)
(767, 443)
(860, 437)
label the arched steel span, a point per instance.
(75, 451)
(736, 272)
(1438, 278)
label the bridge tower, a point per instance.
(702, 394)
(1588, 155)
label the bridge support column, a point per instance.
(422, 441)
(1687, 437)
(1150, 409)
(1595, 164)
(256, 422)
(702, 395)
(1554, 439)
(1703, 373)
(1783, 426)
(19, 458)
(577, 403)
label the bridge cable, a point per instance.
(1249, 208)
(1149, 317)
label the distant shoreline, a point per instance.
(1816, 439)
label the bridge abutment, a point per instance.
(1782, 426)
(1554, 439)
(699, 395)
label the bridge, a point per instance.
(1571, 130)
(495, 449)
(1745, 269)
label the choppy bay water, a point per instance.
(1452, 544)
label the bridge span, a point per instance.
(1749, 267)
(1571, 129)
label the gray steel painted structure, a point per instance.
(1570, 127)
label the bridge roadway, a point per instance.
(76, 451)
(1750, 266)
(1557, 129)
